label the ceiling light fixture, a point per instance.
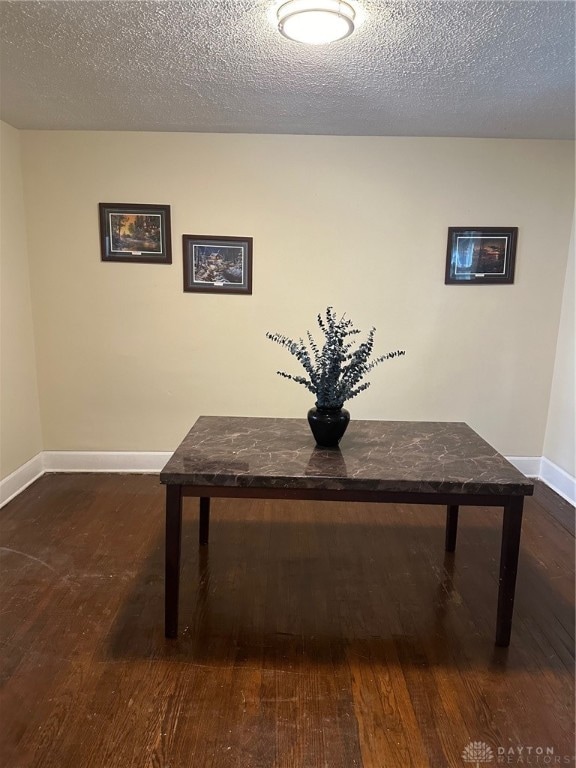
(316, 21)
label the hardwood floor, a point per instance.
(313, 635)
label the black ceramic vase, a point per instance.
(328, 425)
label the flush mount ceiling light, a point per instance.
(316, 21)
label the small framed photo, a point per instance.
(134, 232)
(480, 255)
(214, 264)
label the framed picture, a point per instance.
(214, 264)
(480, 255)
(134, 232)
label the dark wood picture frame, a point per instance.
(217, 264)
(480, 255)
(133, 232)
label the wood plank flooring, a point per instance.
(313, 635)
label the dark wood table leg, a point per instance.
(511, 528)
(451, 528)
(204, 520)
(173, 538)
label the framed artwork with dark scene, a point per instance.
(480, 255)
(217, 264)
(135, 232)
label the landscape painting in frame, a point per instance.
(135, 232)
(480, 255)
(215, 264)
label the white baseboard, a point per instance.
(21, 478)
(528, 465)
(558, 479)
(145, 462)
(152, 462)
(105, 461)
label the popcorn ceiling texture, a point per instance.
(445, 68)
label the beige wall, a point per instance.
(127, 361)
(20, 431)
(559, 446)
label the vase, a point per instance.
(328, 425)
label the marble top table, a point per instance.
(377, 461)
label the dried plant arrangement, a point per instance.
(335, 369)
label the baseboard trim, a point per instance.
(147, 462)
(20, 479)
(528, 465)
(559, 480)
(105, 461)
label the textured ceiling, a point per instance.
(443, 68)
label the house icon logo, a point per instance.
(477, 753)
